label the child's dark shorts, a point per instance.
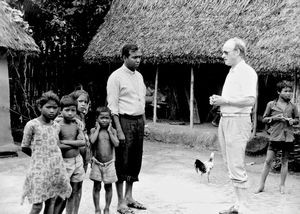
(277, 146)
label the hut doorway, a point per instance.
(174, 89)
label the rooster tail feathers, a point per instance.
(199, 166)
(196, 165)
(212, 155)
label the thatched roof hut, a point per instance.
(12, 35)
(192, 32)
(13, 38)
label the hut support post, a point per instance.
(155, 97)
(254, 114)
(192, 99)
(296, 98)
(295, 87)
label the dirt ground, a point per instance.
(169, 185)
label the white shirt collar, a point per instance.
(127, 69)
(237, 65)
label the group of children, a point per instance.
(57, 168)
(58, 146)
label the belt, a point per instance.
(235, 114)
(131, 117)
(102, 164)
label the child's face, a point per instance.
(69, 112)
(286, 94)
(49, 110)
(82, 104)
(104, 119)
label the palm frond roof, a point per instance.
(12, 35)
(193, 31)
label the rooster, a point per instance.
(206, 166)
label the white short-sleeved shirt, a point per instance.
(126, 92)
(240, 82)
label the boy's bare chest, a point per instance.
(103, 137)
(68, 131)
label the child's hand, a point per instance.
(109, 129)
(279, 117)
(97, 125)
(290, 120)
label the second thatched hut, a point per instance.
(182, 40)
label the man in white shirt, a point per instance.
(126, 94)
(236, 102)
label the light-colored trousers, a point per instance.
(234, 133)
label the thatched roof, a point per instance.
(193, 31)
(12, 35)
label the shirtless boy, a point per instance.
(103, 139)
(71, 138)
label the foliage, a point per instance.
(62, 30)
(16, 16)
(66, 24)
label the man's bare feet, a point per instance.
(106, 211)
(259, 190)
(281, 189)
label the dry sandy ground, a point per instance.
(169, 185)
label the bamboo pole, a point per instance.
(155, 97)
(295, 87)
(254, 114)
(192, 99)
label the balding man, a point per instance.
(236, 102)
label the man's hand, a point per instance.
(217, 100)
(121, 136)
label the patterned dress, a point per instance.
(47, 176)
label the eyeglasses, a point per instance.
(227, 52)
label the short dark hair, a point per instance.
(101, 109)
(127, 48)
(78, 93)
(284, 84)
(67, 101)
(47, 96)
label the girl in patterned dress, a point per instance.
(47, 176)
(83, 102)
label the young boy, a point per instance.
(280, 114)
(71, 138)
(103, 139)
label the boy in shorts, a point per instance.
(103, 139)
(281, 115)
(71, 139)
